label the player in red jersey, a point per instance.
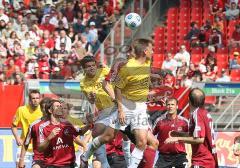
(170, 155)
(33, 132)
(201, 133)
(56, 138)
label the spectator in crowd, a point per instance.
(46, 25)
(215, 39)
(78, 26)
(182, 56)
(31, 113)
(193, 33)
(216, 7)
(224, 77)
(210, 75)
(3, 17)
(202, 38)
(218, 24)
(170, 155)
(170, 64)
(233, 12)
(236, 148)
(235, 62)
(47, 40)
(235, 38)
(63, 39)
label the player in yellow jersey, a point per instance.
(131, 90)
(26, 115)
(91, 86)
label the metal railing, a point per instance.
(230, 107)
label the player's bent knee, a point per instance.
(141, 144)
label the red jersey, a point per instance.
(33, 134)
(115, 146)
(60, 151)
(201, 126)
(163, 126)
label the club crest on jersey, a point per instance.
(66, 132)
(180, 129)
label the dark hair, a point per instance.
(43, 102)
(87, 59)
(33, 91)
(172, 99)
(49, 104)
(197, 97)
(140, 45)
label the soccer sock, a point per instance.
(148, 158)
(101, 156)
(126, 150)
(136, 158)
(91, 148)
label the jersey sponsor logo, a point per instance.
(66, 132)
(59, 140)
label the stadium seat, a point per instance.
(223, 50)
(210, 100)
(222, 65)
(196, 58)
(235, 75)
(222, 57)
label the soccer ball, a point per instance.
(133, 20)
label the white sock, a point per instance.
(126, 150)
(136, 158)
(101, 156)
(95, 144)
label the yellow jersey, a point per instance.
(25, 116)
(133, 79)
(94, 85)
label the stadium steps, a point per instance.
(228, 115)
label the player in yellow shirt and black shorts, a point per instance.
(25, 116)
(131, 91)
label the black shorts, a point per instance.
(172, 160)
(39, 163)
(116, 161)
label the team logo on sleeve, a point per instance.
(66, 132)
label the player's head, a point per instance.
(54, 108)
(196, 98)
(43, 102)
(172, 105)
(143, 48)
(88, 63)
(34, 98)
(66, 107)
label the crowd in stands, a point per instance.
(213, 52)
(47, 39)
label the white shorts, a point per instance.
(105, 116)
(28, 156)
(135, 114)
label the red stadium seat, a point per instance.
(235, 75)
(222, 57)
(196, 50)
(223, 50)
(196, 58)
(222, 65)
(210, 100)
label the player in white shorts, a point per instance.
(131, 90)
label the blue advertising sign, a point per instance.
(8, 149)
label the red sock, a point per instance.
(148, 158)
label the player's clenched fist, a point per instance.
(54, 132)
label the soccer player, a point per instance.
(56, 138)
(131, 90)
(33, 134)
(26, 115)
(171, 155)
(201, 133)
(91, 86)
